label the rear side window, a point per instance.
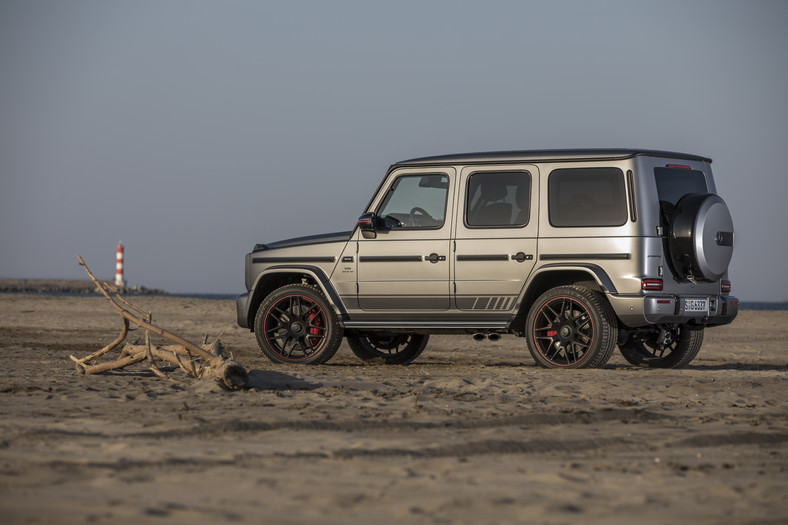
(583, 197)
(498, 199)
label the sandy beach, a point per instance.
(470, 433)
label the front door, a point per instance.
(497, 228)
(406, 266)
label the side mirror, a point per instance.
(366, 223)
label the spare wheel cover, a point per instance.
(713, 237)
(701, 236)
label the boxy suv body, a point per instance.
(577, 251)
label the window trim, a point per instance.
(466, 204)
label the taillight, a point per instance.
(678, 166)
(653, 285)
(725, 286)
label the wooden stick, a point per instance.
(231, 374)
(118, 363)
(123, 332)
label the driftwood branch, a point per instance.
(194, 360)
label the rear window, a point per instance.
(582, 197)
(673, 184)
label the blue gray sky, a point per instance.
(191, 130)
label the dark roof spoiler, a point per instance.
(493, 157)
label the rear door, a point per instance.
(496, 234)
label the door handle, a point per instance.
(434, 258)
(521, 257)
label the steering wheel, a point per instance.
(419, 211)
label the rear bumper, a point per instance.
(637, 311)
(242, 310)
(673, 309)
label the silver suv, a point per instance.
(577, 251)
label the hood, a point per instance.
(305, 241)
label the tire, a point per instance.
(700, 237)
(392, 349)
(296, 324)
(682, 347)
(571, 327)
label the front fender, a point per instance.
(274, 277)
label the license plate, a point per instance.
(696, 305)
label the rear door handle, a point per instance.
(434, 258)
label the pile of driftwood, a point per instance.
(195, 360)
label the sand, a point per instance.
(470, 433)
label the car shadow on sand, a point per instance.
(272, 380)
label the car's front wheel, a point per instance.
(571, 327)
(391, 349)
(295, 324)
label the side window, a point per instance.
(415, 201)
(498, 199)
(582, 197)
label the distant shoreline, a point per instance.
(86, 287)
(66, 286)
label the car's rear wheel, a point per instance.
(571, 327)
(391, 349)
(674, 348)
(295, 324)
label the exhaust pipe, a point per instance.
(480, 336)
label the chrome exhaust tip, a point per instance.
(479, 336)
(493, 336)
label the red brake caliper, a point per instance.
(314, 318)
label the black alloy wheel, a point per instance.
(391, 349)
(295, 324)
(674, 348)
(571, 327)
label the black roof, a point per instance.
(546, 155)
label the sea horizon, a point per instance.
(743, 305)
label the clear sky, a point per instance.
(190, 130)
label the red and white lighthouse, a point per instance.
(120, 281)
